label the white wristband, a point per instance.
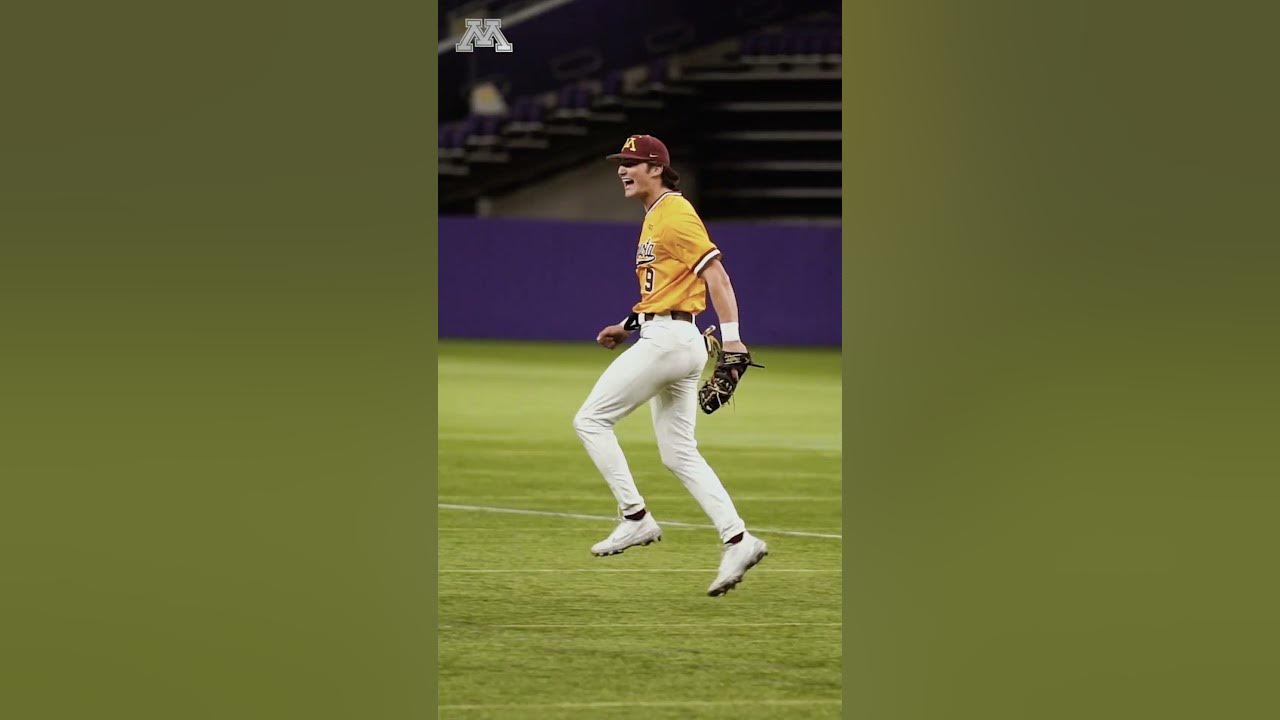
(729, 332)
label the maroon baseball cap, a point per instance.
(645, 148)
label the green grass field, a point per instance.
(533, 626)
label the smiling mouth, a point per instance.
(628, 182)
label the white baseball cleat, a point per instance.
(735, 561)
(627, 534)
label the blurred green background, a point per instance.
(1060, 383)
(216, 427)
(216, 362)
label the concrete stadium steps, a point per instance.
(758, 123)
(768, 139)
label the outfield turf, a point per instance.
(532, 626)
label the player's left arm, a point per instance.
(720, 288)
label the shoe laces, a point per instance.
(621, 528)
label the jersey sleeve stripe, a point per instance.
(707, 257)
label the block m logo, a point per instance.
(483, 33)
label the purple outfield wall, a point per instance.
(560, 280)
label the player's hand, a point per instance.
(612, 336)
(735, 346)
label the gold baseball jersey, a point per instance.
(674, 249)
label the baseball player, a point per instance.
(677, 266)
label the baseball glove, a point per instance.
(718, 390)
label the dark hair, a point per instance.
(670, 178)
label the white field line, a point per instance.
(547, 530)
(578, 516)
(594, 481)
(596, 497)
(532, 451)
(515, 530)
(798, 702)
(738, 444)
(519, 571)
(557, 626)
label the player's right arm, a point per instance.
(612, 336)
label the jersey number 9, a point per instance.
(648, 280)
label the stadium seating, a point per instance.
(764, 116)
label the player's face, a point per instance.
(636, 178)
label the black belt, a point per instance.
(675, 315)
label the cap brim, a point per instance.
(638, 158)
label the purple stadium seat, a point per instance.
(811, 45)
(791, 44)
(523, 110)
(612, 85)
(658, 71)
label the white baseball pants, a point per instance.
(662, 367)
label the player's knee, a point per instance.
(675, 457)
(585, 423)
(671, 461)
